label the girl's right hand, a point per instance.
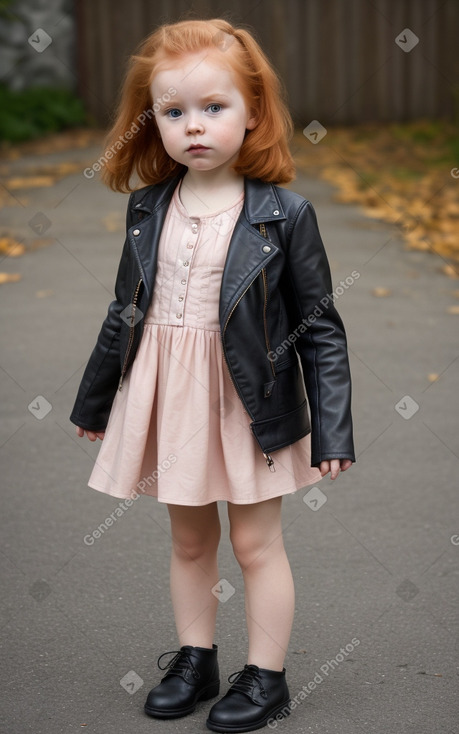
(90, 434)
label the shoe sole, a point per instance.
(208, 693)
(236, 728)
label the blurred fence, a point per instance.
(342, 61)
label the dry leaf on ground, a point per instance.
(381, 292)
(11, 247)
(399, 173)
(9, 277)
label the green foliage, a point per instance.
(36, 111)
(5, 9)
(421, 131)
(441, 133)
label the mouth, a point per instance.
(197, 147)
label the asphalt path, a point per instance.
(374, 554)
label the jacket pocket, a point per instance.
(268, 387)
(280, 366)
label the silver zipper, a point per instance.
(223, 335)
(269, 460)
(265, 305)
(131, 333)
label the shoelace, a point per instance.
(179, 664)
(244, 679)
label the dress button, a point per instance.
(183, 281)
(190, 246)
(266, 248)
(179, 315)
(180, 298)
(136, 232)
(186, 263)
(194, 227)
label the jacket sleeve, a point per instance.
(101, 376)
(322, 344)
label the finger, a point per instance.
(345, 464)
(324, 467)
(100, 435)
(334, 468)
(80, 431)
(91, 435)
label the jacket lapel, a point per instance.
(245, 257)
(144, 236)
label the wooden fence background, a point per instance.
(338, 58)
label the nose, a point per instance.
(194, 125)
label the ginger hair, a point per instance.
(264, 153)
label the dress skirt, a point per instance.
(178, 430)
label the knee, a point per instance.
(191, 545)
(249, 548)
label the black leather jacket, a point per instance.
(280, 331)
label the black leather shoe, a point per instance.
(256, 696)
(192, 676)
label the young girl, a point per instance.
(223, 322)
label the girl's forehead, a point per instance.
(193, 67)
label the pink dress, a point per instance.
(178, 430)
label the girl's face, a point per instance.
(204, 124)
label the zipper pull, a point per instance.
(270, 462)
(120, 384)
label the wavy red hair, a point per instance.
(264, 154)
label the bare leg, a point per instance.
(194, 571)
(256, 536)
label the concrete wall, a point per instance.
(37, 44)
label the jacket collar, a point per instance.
(261, 201)
(248, 250)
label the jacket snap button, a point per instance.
(136, 232)
(276, 211)
(266, 248)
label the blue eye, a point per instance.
(215, 107)
(171, 113)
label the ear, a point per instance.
(252, 122)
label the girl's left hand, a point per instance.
(334, 466)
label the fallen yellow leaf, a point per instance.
(452, 309)
(11, 247)
(381, 292)
(450, 271)
(44, 293)
(113, 222)
(433, 377)
(64, 169)
(9, 277)
(29, 182)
